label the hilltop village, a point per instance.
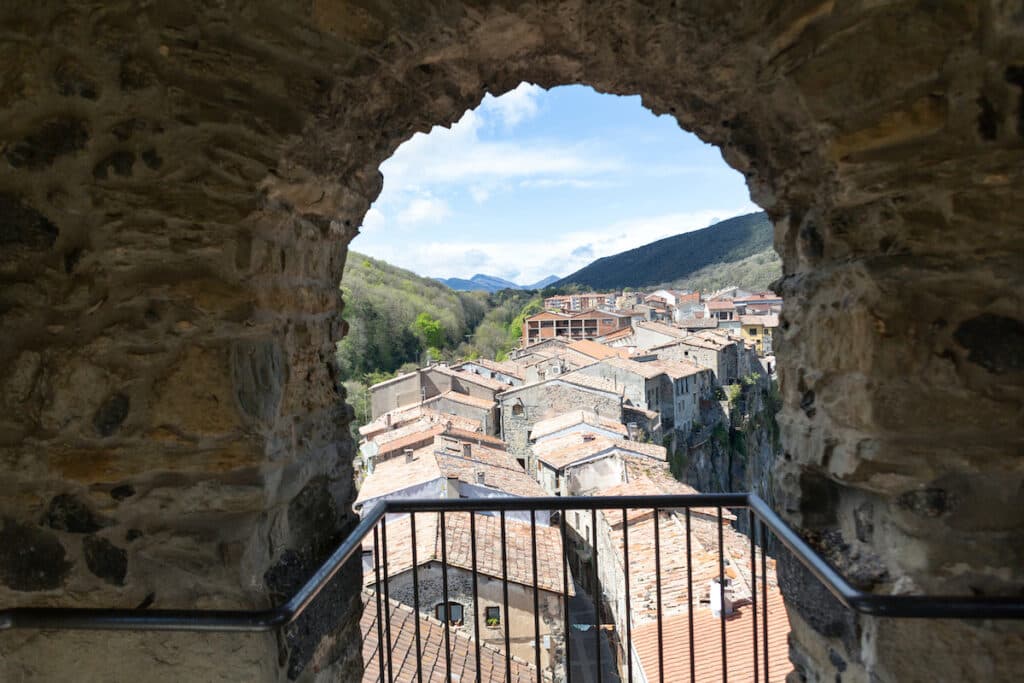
(608, 394)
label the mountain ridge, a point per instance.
(677, 257)
(491, 283)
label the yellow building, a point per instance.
(758, 329)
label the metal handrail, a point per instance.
(904, 606)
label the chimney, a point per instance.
(480, 479)
(408, 454)
(721, 605)
(387, 420)
(467, 450)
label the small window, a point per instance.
(454, 613)
(492, 616)
(517, 409)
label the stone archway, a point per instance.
(179, 185)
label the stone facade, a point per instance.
(179, 186)
(523, 407)
(490, 594)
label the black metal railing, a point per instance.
(405, 565)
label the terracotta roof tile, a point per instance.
(465, 399)
(566, 450)
(597, 350)
(397, 474)
(707, 645)
(556, 424)
(432, 663)
(488, 545)
(504, 367)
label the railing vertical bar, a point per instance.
(764, 596)
(416, 599)
(504, 598)
(387, 598)
(377, 590)
(689, 597)
(444, 597)
(657, 585)
(753, 584)
(536, 595)
(721, 594)
(476, 594)
(597, 595)
(629, 610)
(565, 595)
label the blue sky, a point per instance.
(539, 182)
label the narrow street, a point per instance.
(583, 644)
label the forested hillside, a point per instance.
(675, 258)
(755, 273)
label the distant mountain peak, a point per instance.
(482, 282)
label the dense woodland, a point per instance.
(399, 320)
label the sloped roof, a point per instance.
(597, 350)
(459, 544)
(707, 644)
(562, 451)
(504, 367)
(662, 328)
(397, 474)
(572, 418)
(465, 399)
(433, 658)
(771, 320)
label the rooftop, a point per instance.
(432, 660)
(553, 425)
(707, 644)
(662, 328)
(770, 320)
(459, 544)
(597, 350)
(562, 451)
(465, 399)
(504, 367)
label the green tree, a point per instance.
(429, 330)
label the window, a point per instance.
(492, 616)
(454, 613)
(517, 409)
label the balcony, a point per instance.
(614, 588)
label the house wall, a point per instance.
(490, 594)
(593, 475)
(395, 393)
(545, 400)
(488, 418)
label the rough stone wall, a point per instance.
(489, 594)
(179, 182)
(546, 400)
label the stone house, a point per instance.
(426, 383)
(489, 607)
(577, 421)
(678, 572)
(450, 468)
(523, 407)
(716, 352)
(506, 372)
(579, 463)
(463, 405)
(642, 384)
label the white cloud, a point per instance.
(374, 220)
(479, 194)
(424, 209)
(458, 155)
(515, 106)
(527, 261)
